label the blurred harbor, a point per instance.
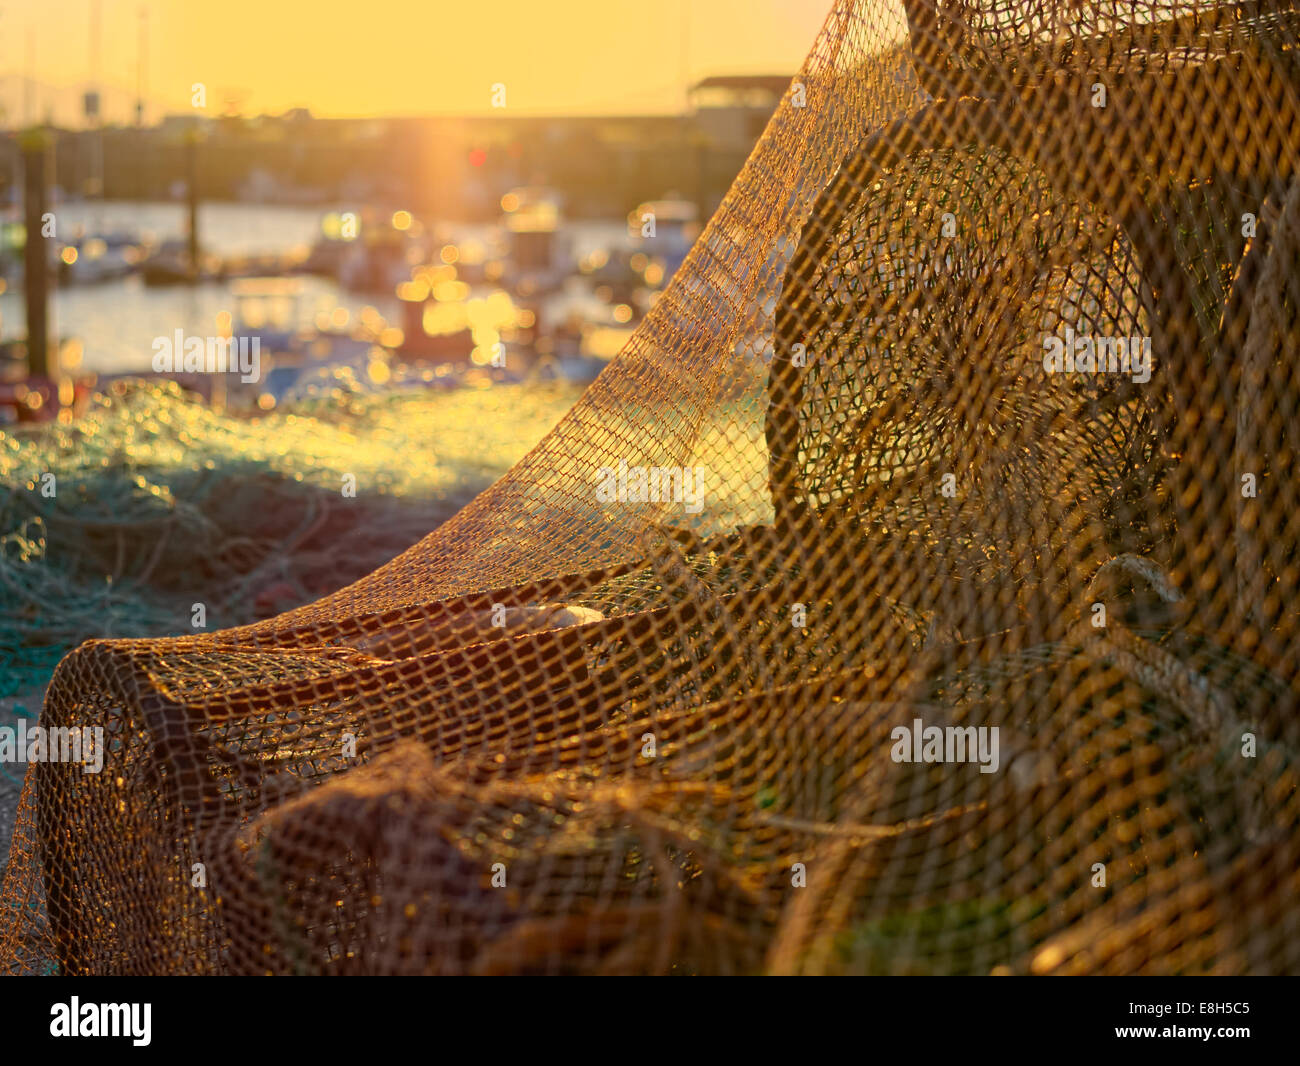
(123, 310)
(448, 252)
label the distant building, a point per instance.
(728, 115)
(449, 167)
(732, 111)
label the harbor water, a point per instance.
(117, 320)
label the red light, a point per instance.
(477, 157)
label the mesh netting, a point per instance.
(986, 371)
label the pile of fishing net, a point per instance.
(118, 523)
(978, 653)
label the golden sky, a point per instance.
(368, 57)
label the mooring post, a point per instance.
(36, 147)
(192, 194)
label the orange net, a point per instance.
(916, 593)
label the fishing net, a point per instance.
(915, 593)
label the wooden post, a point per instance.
(37, 170)
(192, 196)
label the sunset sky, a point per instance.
(369, 57)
